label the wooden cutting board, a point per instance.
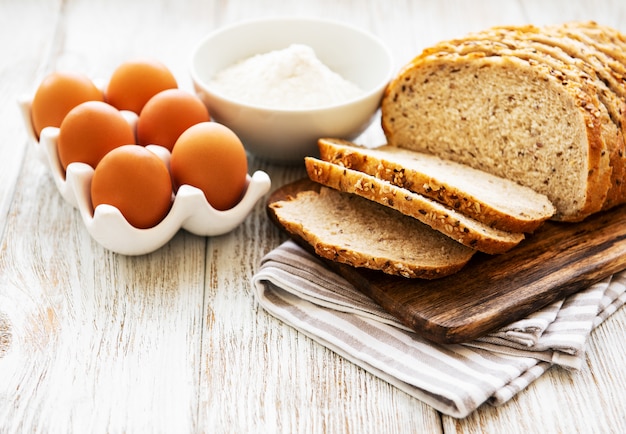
(492, 291)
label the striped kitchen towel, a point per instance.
(455, 379)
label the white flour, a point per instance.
(290, 78)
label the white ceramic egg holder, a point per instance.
(106, 224)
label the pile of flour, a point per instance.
(292, 78)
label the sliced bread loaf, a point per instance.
(602, 72)
(506, 116)
(459, 227)
(492, 200)
(351, 230)
(579, 68)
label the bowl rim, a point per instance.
(367, 93)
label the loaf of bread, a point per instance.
(543, 107)
(493, 201)
(355, 231)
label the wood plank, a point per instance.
(100, 342)
(20, 69)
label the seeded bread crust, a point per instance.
(360, 233)
(494, 201)
(459, 227)
(530, 44)
(604, 35)
(607, 58)
(579, 62)
(578, 46)
(529, 130)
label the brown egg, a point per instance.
(89, 131)
(137, 182)
(167, 114)
(211, 157)
(134, 82)
(57, 94)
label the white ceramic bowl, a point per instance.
(106, 224)
(288, 135)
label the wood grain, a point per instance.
(174, 341)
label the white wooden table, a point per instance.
(94, 342)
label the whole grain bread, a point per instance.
(354, 231)
(492, 200)
(579, 67)
(565, 51)
(522, 114)
(457, 226)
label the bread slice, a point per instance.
(492, 200)
(579, 67)
(601, 72)
(459, 227)
(354, 231)
(603, 48)
(506, 116)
